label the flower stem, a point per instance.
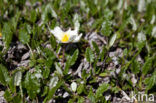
(63, 54)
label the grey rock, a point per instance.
(25, 56)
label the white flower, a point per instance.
(67, 36)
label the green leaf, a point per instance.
(133, 23)
(108, 14)
(115, 89)
(106, 28)
(14, 21)
(135, 66)
(4, 77)
(50, 56)
(80, 88)
(151, 81)
(33, 16)
(147, 66)
(7, 34)
(52, 91)
(81, 100)
(71, 101)
(67, 66)
(32, 85)
(102, 55)
(17, 78)
(46, 72)
(89, 55)
(71, 61)
(45, 91)
(99, 92)
(46, 11)
(104, 74)
(24, 37)
(53, 82)
(96, 23)
(53, 42)
(74, 57)
(112, 40)
(12, 87)
(91, 96)
(58, 68)
(8, 95)
(17, 99)
(96, 48)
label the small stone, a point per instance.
(26, 56)
(118, 71)
(65, 95)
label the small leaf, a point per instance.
(151, 81)
(48, 10)
(46, 72)
(71, 61)
(53, 82)
(52, 91)
(133, 23)
(89, 55)
(141, 5)
(76, 21)
(7, 34)
(96, 48)
(74, 57)
(24, 37)
(80, 88)
(67, 66)
(17, 78)
(154, 32)
(53, 42)
(135, 66)
(99, 92)
(146, 67)
(112, 40)
(106, 28)
(14, 21)
(108, 14)
(73, 86)
(104, 74)
(33, 16)
(57, 66)
(32, 85)
(91, 96)
(45, 91)
(4, 77)
(96, 23)
(103, 52)
(8, 95)
(141, 37)
(80, 100)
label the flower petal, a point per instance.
(57, 32)
(77, 38)
(72, 32)
(72, 38)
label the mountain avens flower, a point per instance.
(68, 36)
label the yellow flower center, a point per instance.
(65, 38)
